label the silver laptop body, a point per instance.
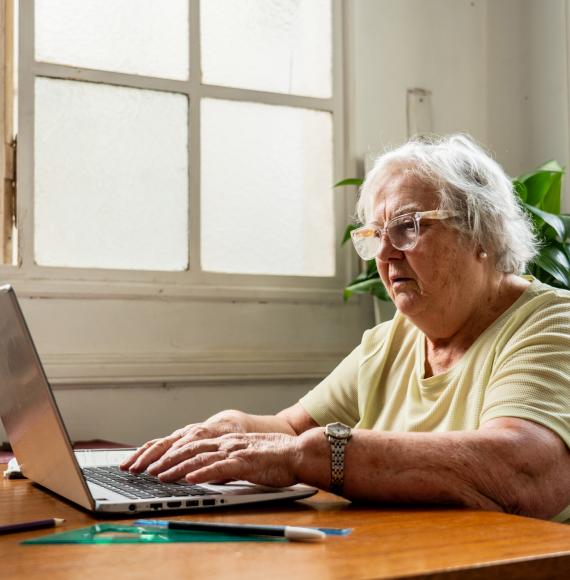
(42, 445)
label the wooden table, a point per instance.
(387, 542)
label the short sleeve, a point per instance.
(335, 398)
(531, 378)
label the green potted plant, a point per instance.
(540, 195)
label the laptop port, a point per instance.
(206, 502)
(155, 506)
(192, 503)
(174, 504)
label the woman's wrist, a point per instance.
(311, 458)
(246, 423)
(237, 421)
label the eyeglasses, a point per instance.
(403, 232)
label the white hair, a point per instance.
(469, 183)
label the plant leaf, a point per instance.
(563, 259)
(552, 165)
(558, 252)
(370, 286)
(381, 293)
(556, 263)
(520, 189)
(371, 268)
(538, 185)
(566, 219)
(349, 181)
(365, 275)
(347, 231)
(554, 221)
(551, 200)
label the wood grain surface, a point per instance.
(387, 542)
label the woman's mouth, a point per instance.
(400, 282)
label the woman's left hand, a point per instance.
(263, 458)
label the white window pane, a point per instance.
(282, 46)
(111, 177)
(143, 37)
(266, 205)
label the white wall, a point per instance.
(497, 69)
(270, 355)
(438, 45)
(547, 83)
(507, 87)
(134, 415)
(528, 83)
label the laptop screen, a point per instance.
(29, 411)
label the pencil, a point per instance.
(28, 526)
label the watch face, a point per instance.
(338, 430)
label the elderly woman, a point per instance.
(463, 398)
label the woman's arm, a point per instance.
(297, 418)
(294, 420)
(509, 465)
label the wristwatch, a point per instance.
(338, 435)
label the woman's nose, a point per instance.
(387, 251)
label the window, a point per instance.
(176, 218)
(185, 143)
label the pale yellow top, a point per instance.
(518, 367)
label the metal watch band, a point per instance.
(337, 464)
(338, 435)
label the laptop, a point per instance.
(89, 478)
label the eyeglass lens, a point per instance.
(402, 232)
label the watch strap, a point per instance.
(338, 435)
(337, 464)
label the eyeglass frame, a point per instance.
(379, 232)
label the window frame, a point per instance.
(7, 141)
(42, 281)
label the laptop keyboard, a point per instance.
(140, 486)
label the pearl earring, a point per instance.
(483, 255)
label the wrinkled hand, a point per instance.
(220, 424)
(264, 458)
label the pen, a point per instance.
(289, 532)
(27, 526)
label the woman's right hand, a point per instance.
(219, 424)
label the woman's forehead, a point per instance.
(402, 192)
